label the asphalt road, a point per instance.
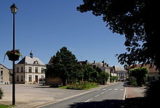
(108, 97)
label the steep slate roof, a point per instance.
(31, 60)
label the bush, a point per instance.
(103, 78)
(82, 85)
(132, 81)
(1, 93)
(139, 74)
(114, 78)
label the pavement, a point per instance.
(133, 92)
(31, 96)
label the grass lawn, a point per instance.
(4, 106)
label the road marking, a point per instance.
(96, 96)
(115, 89)
(104, 89)
(124, 95)
(121, 89)
(88, 100)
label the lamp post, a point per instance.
(13, 10)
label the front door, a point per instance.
(36, 78)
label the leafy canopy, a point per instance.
(138, 20)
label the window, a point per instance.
(17, 78)
(35, 62)
(17, 69)
(1, 73)
(21, 78)
(30, 78)
(21, 69)
(30, 69)
(42, 76)
(42, 70)
(36, 69)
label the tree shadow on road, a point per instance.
(100, 104)
(137, 102)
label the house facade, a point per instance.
(121, 73)
(4, 75)
(30, 70)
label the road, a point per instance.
(108, 97)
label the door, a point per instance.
(36, 78)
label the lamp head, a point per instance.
(13, 8)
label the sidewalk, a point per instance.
(133, 92)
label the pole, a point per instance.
(13, 74)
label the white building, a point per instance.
(121, 72)
(30, 70)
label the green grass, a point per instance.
(4, 106)
(80, 86)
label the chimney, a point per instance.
(103, 63)
(31, 54)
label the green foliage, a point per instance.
(63, 69)
(137, 20)
(1, 93)
(82, 85)
(103, 77)
(62, 65)
(4, 106)
(114, 78)
(133, 81)
(139, 74)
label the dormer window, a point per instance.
(35, 62)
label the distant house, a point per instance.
(30, 70)
(153, 73)
(4, 75)
(121, 73)
(103, 66)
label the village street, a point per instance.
(30, 96)
(36, 95)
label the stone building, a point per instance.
(4, 75)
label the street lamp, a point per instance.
(13, 10)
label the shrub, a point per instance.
(139, 74)
(82, 85)
(133, 81)
(1, 93)
(113, 78)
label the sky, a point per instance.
(45, 26)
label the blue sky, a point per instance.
(45, 26)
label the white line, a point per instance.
(121, 89)
(115, 89)
(88, 100)
(104, 89)
(124, 95)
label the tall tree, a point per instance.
(62, 65)
(138, 20)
